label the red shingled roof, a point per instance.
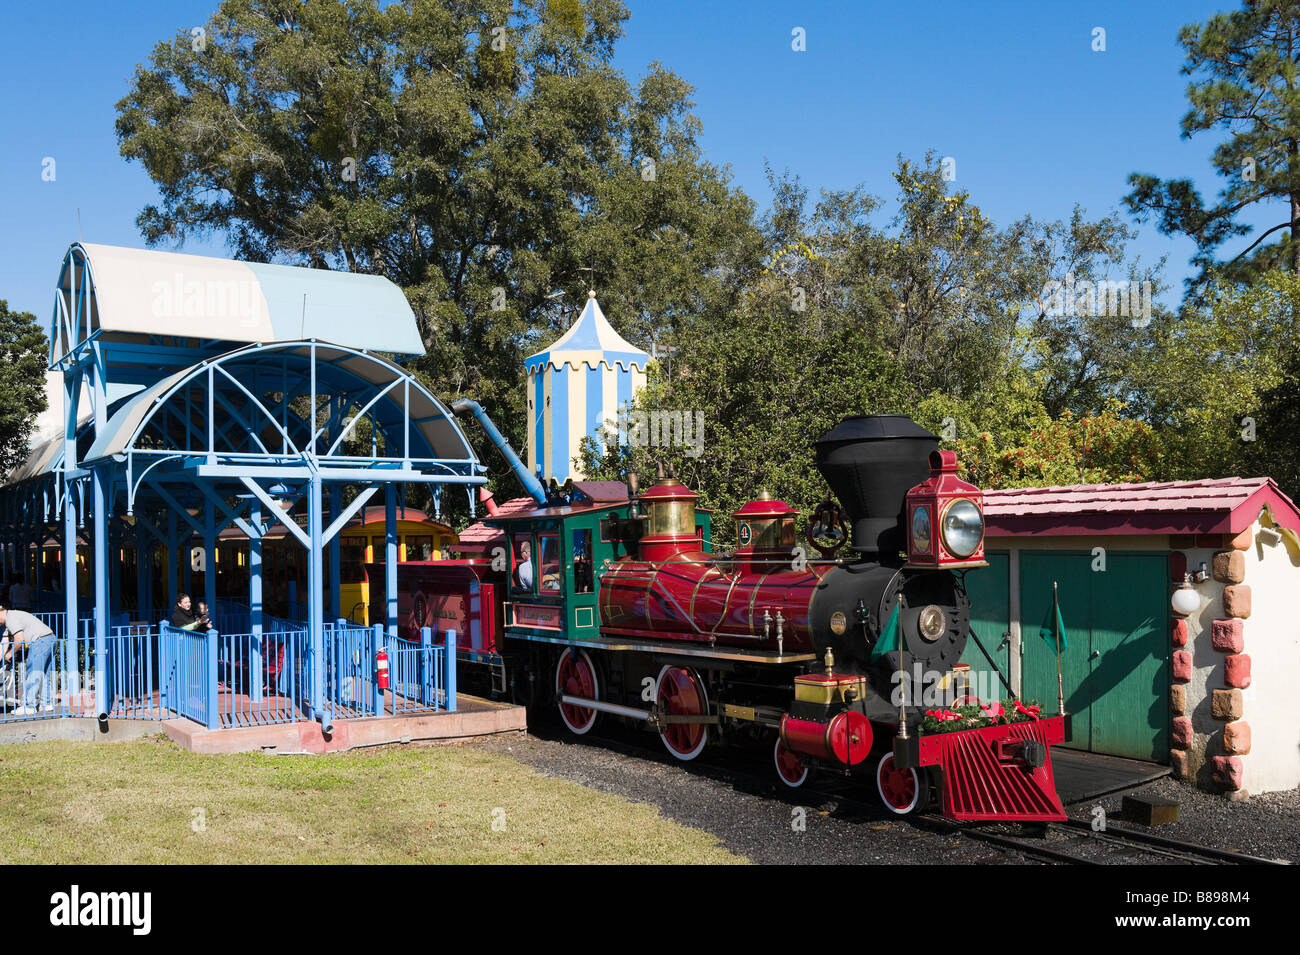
(477, 538)
(1221, 506)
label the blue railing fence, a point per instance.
(226, 678)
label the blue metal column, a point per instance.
(428, 684)
(72, 633)
(380, 640)
(71, 395)
(390, 556)
(100, 506)
(255, 595)
(451, 671)
(315, 601)
(336, 600)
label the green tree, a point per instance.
(484, 155)
(22, 382)
(937, 314)
(1246, 69)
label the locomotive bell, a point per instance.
(870, 463)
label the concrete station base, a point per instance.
(473, 717)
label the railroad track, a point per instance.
(1072, 842)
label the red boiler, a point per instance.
(756, 599)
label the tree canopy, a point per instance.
(1246, 82)
(22, 383)
(484, 155)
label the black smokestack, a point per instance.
(871, 462)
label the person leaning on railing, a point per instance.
(20, 627)
(183, 618)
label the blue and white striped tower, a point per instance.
(575, 387)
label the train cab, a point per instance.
(557, 554)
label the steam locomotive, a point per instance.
(605, 601)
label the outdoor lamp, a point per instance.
(1186, 600)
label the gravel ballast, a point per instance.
(730, 798)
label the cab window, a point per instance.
(525, 567)
(549, 545)
(582, 573)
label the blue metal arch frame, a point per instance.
(250, 407)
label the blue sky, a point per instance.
(1035, 119)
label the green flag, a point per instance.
(888, 637)
(1053, 624)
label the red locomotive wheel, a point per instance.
(903, 791)
(680, 692)
(789, 767)
(575, 675)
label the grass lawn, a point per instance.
(150, 801)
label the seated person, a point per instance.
(524, 569)
(582, 575)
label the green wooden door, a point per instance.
(1038, 661)
(1115, 670)
(989, 589)
(1130, 658)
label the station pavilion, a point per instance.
(201, 394)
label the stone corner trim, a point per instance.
(1228, 636)
(1230, 566)
(1226, 705)
(1236, 600)
(1227, 771)
(1236, 671)
(1236, 738)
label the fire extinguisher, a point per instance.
(381, 668)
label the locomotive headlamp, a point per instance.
(945, 519)
(932, 622)
(962, 528)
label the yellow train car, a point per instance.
(419, 537)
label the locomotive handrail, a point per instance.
(996, 669)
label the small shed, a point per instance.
(1212, 693)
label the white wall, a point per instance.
(1271, 704)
